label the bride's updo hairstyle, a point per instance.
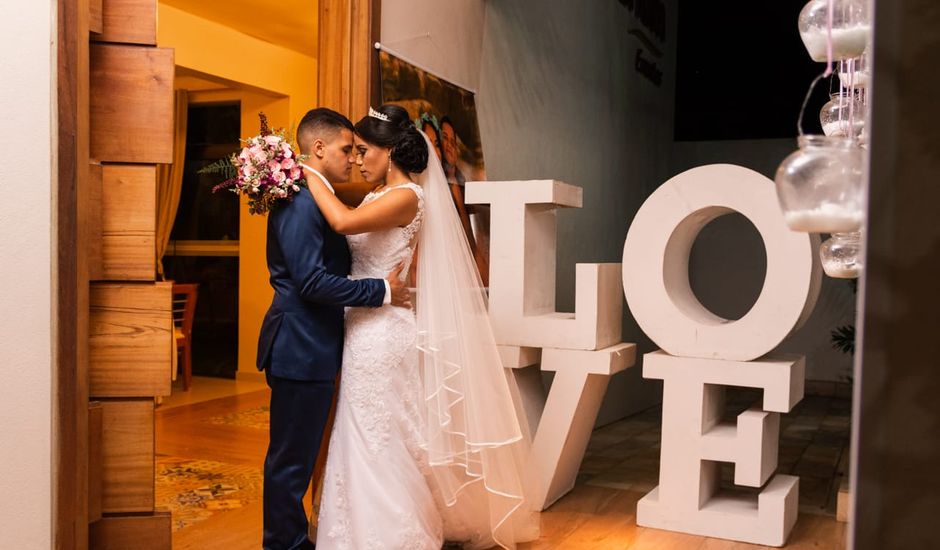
(398, 133)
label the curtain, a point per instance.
(170, 180)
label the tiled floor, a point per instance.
(193, 490)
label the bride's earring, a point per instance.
(389, 171)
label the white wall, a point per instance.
(560, 98)
(26, 252)
(444, 36)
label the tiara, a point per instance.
(375, 114)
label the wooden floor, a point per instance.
(590, 517)
(597, 517)
(183, 431)
(205, 388)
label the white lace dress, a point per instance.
(376, 492)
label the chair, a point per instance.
(184, 310)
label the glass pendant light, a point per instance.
(850, 28)
(820, 187)
(841, 256)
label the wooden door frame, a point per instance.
(70, 316)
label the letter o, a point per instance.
(656, 266)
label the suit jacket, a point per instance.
(302, 333)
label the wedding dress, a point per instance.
(375, 461)
(426, 445)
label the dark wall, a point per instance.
(896, 480)
(742, 71)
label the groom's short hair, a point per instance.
(320, 123)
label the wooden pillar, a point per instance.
(347, 59)
(348, 67)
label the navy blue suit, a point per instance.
(300, 349)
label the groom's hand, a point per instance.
(401, 296)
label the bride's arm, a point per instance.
(396, 208)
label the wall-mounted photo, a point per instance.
(448, 115)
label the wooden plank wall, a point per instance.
(130, 327)
(132, 532)
(128, 22)
(128, 225)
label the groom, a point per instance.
(301, 344)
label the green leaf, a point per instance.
(224, 166)
(843, 339)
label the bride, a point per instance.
(426, 446)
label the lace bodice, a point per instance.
(376, 254)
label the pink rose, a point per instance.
(285, 147)
(249, 170)
(274, 166)
(295, 172)
(272, 139)
(279, 176)
(287, 164)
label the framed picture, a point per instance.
(447, 114)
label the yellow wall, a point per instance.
(263, 77)
(217, 50)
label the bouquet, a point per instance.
(266, 170)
